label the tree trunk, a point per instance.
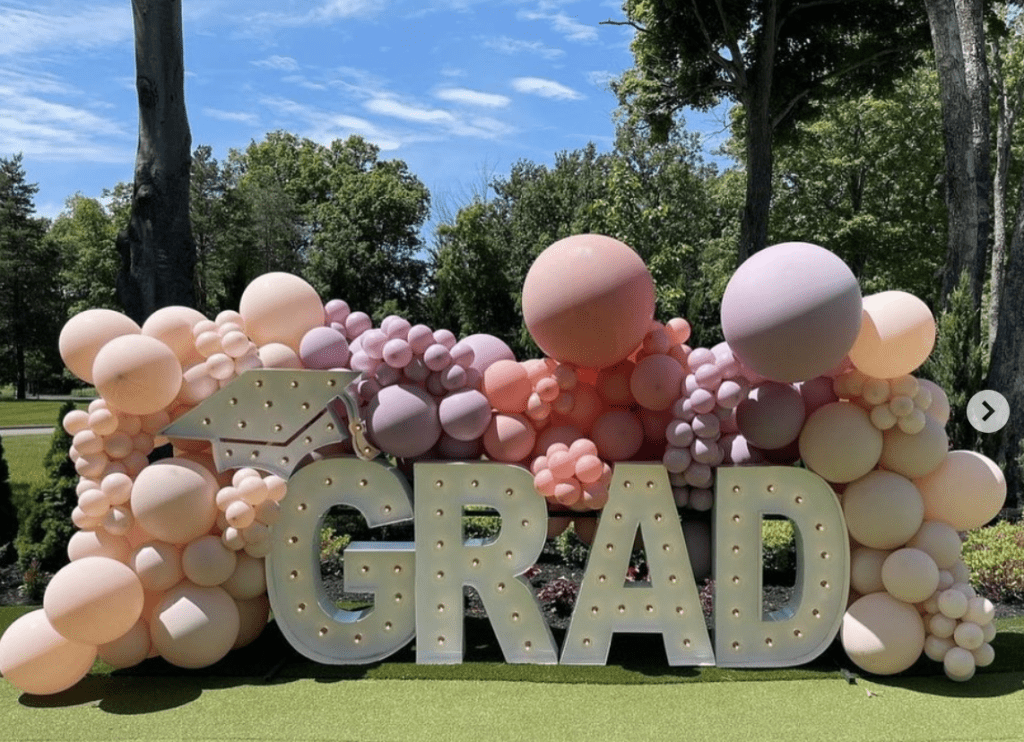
(157, 251)
(961, 164)
(1005, 373)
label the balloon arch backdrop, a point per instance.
(169, 556)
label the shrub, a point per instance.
(481, 526)
(560, 594)
(778, 547)
(995, 556)
(573, 551)
(46, 526)
(8, 513)
(332, 546)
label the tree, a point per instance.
(8, 513)
(771, 57)
(30, 311)
(84, 235)
(209, 226)
(157, 251)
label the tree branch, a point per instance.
(734, 48)
(791, 103)
(733, 70)
(633, 24)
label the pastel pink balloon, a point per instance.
(771, 416)
(207, 562)
(486, 350)
(507, 386)
(509, 437)
(174, 500)
(324, 348)
(618, 435)
(252, 619)
(336, 311)
(86, 333)
(93, 600)
(403, 420)
(249, 578)
(588, 300)
(445, 337)
(173, 327)
(655, 382)
(357, 323)
(37, 660)
(158, 565)
(791, 311)
(372, 342)
(465, 415)
(563, 434)
(280, 308)
(128, 649)
(279, 355)
(463, 354)
(453, 448)
(966, 490)
(437, 357)
(137, 374)
(397, 353)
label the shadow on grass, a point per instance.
(634, 659)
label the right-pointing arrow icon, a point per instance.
(991, 411)
(988, 411)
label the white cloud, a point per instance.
(505, 45)
(545, 88)
(473, 97)
(396, 109)
(238, 117)
(600, 78)
(325, 126)
(276, 62)
(567, 26)
(449, 71)
(24, 29)
(262, 23)
(334, 9)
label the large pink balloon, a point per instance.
(194, 626)
(771, 416)
(137, 374)
(84, 334)
(967, 490)
(792, 311)
(588, 300)
(93, 600)
(465, 415)
(36, 659)
(509, 438)
(324, 348)
(280, 308)
(173, 500)
(882, 635)
(896, 336)
(173, 327)
(403, 420)
(486, 350)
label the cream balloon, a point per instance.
(84, 334)
(129, 649)
(207, 562)
(36, 659)
(253, 615)
(173, 499)
(249, 579)
(194, 626)
(173, 327)
(910, 575)
(967, 490)
(882, 635)
(158, 565)
(839, 443)
(883, 510)
(280, 308)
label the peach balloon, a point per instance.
(279, 355)
(618, 435)
(791, 311)
(280, 308)
(158, 565)
(910, 575)
(839, 443)
(896, 336)
(588, 300)
(194, 626)
(915, 455)
(507, 386)
(883, 510)
(882, 635)
(93, 600)
(967, 490)
(129, 649)
(37, 660)
(939, 407)
(938, 540)
(98, 543)
(173, 500)
(86, 333)
(137, 374)
(253, 615)
(173, 327)
(509, 438)
(655, 382)
(613, 383)
(866, 569)
(207, 562)
(248, 580)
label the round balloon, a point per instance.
(84, 334)
(93, 600)
(791, 312)
(173, 327)
(882, 635)
(174, 500)
(883, 510)
(36, 659)
(896, 336)
(966, 490)
(403, 420)
(771, 416)
(137, 374)
(194, 626)
(839, 442)
(588, 300)
(280, 308)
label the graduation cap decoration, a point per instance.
(271, 419)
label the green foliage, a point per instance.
(957, 362)
(995, 556)
(481, 526)
(46, 524)
(573, 551)
(8, 512)
(332, 546)
(778, 547)
(84, 235)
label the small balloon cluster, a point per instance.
(169, 556)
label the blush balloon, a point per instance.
(896, 336)
(323, 348)
(465, 415)
(86, 333)
(137, 374)
(655, 382)
(93, 600)
(403, 420)
(38, 660)
(280, 308)
(618, 435)
(509, 438)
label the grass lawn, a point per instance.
(267, 692)
(24, 455)
(30, 412)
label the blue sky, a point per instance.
(455, 88)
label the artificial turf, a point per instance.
(268, 692)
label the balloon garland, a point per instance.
(168, 558)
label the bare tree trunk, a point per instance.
(962, 167)
(157, 250)
(1005, 372)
